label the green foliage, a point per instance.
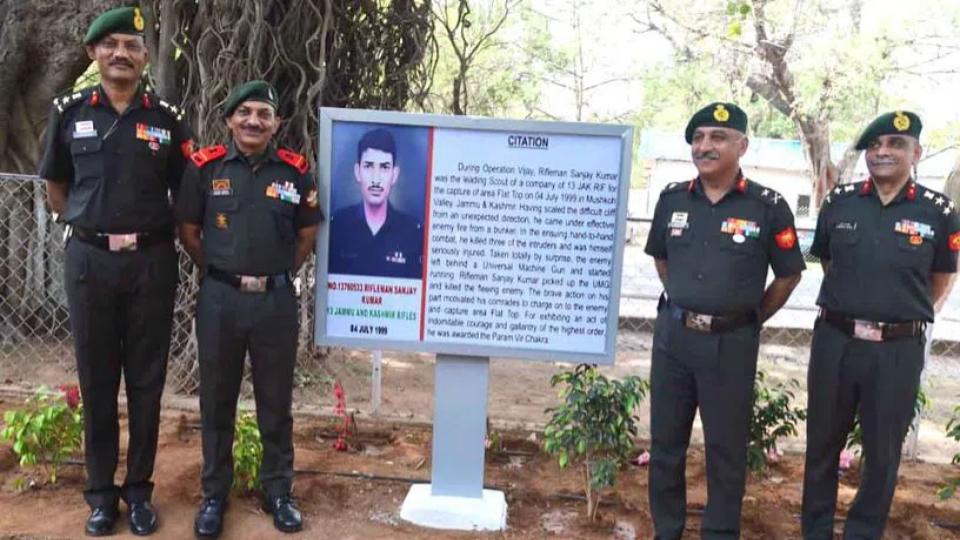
(855, 437)
(247, 453)
(47, 431)
(772, 418)
(594, 426)
(502, 72)
(846, 62)
(953, 432)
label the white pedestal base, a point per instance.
(486, 513)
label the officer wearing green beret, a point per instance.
(888, 247)
(113, 155)
(713, 240)
(248, 215)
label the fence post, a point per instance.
(375, 383)
(913, 438)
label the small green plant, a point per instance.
(773, 417)
(247, 453)
(494, 439)
(953, 432)
(855, 437)
(594, 425)
(47, 431)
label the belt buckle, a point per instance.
(867, 330)
(122, 242)
(697, 321)
(257, 284)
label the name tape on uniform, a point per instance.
(84, 129)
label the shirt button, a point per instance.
(700, 276)
(706, 243)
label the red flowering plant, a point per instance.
(47, 431)
(347, 426)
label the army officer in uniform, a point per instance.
(248, 216)
(889, 252)
(114, 154)
(713, 240)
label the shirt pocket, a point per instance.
(151, 167)
(844, 245)
(221, 227)
(678, 240)
(87, 159)
(283, 213)
(913, 254)
(746, 265)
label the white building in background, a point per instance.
(776, 163)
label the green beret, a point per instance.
(726, 115)
(250, 91)
(124, 20)
(892, 123)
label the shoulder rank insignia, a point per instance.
(205, 155)
(842, 190)
(295, 160)
(62, 103)
(770, 196)
(174, 111)
(941, 202)
(676, 186)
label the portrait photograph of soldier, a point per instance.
(378, 188)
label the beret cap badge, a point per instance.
(721, 114)
(901, 121)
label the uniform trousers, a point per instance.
(715, 372)
(230, 325)
(121, 312)
(880, 380)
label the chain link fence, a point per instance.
(35, 321)
(35, 329)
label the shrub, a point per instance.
(247, 453)
(953, 432)
(594, 426)
(855, 437)
(47, 431)
(772, 418)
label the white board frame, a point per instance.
(328, 116)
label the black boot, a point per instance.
(286, 515)
(143, 518)
(101, 521)
(209, 521)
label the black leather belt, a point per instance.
(249, 283)
(712, 324)
(122, 242)
(873, 330)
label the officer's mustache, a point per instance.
(252, 128)
(706, 155)
(124, 63)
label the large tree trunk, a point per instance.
(41, 55)
(777, 86)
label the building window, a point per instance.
(803, 205)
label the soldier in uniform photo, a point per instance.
(248, 215)
(888, 247)
(113, 155)
(713, 240)
(373, 238)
